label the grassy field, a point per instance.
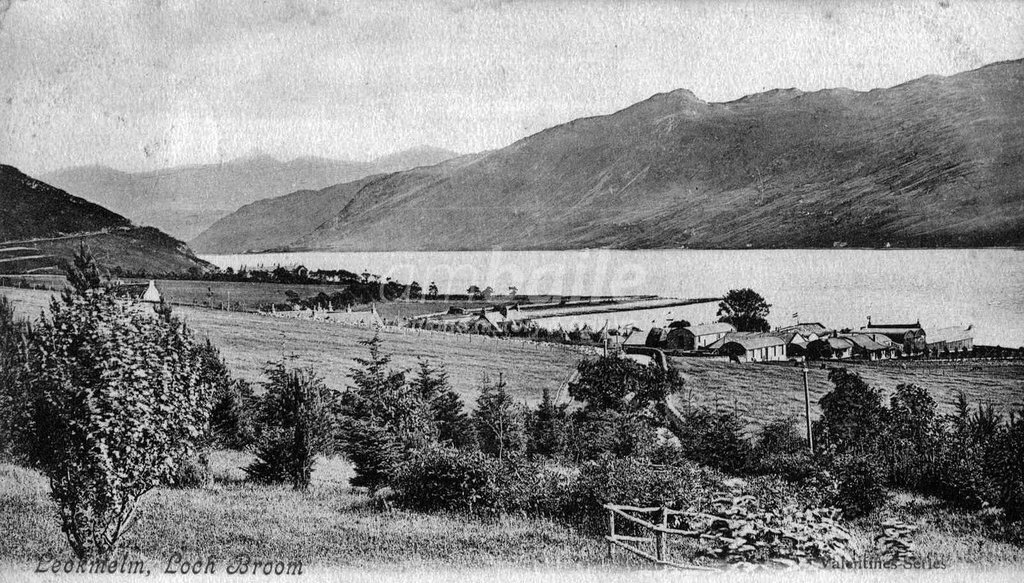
(334, 525)
(767, 392)
(249, 341)
(331, 524)
(760, 392)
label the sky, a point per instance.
(148, 84)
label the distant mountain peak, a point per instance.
(908, 165)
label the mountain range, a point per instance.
(938, 161)
(185, 200)
(41, 226)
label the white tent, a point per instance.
(152, 294)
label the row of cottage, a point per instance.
(810, 340)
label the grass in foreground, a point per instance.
(334, 525)
(330, 525)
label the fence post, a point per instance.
(661, 538)
(611, 532)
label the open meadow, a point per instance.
(330, 525)
(761, 393)
(249, 341)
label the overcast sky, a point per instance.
(145, 84)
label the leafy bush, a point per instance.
(782, 451)
(714, 438)
(741, 531)
(914, 438)
(296, 424)
(192, 472)
(591, 435)
(117, 403)
(1008, 465)
(444, 478)
(961, 471)
(13, 387)
(895, 543)
(853, 417)
(634, 481)
(860, 485)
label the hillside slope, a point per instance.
(41, 225)
(273, 223)
(186, 200)
(932, 162)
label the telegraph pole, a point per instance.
(807, 410)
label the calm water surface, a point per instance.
(838, 287)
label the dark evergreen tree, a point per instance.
(295, 425)
(547, 427)
(499, 420)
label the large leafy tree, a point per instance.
(745, 309)
(621, 385)
(117, 401)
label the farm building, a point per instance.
(796, 343)
(750, 347)
(867, 346)
(833, 347)
(488, 321)
(950, 340)
(696, 337)
(909, 338)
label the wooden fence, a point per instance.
(656, 531)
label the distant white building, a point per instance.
(152, 294)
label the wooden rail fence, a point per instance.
(659, 533)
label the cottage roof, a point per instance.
(708, 329)
(950, 334)
(749, 340)
(494, 318)
(837, 343)
(807, 328)
(892, 330)
(866, 342)
(880, 338)
(791, 337)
